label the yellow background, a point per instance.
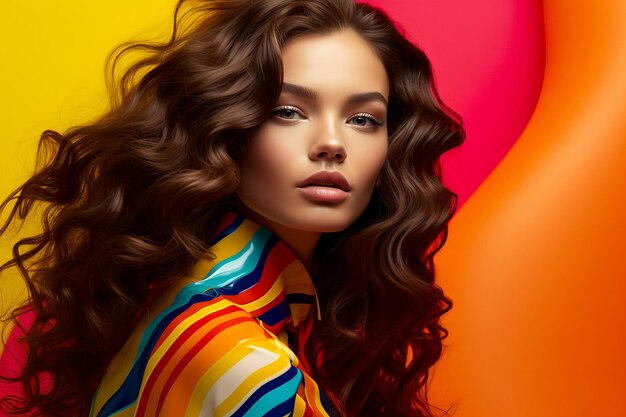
(53, 57)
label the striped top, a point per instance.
(224, 341)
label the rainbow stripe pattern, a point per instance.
(222, 342)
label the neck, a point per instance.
(302, 243)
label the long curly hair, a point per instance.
(130, 200)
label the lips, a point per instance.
(325, 187)
(333, 179)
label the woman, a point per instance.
(250, 229)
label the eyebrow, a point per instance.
(301, 91)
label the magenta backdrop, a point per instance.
(488, 58)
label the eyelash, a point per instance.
(368, 116)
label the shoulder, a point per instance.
(210, 358)
(218, 360)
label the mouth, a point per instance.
(325, 187)
(330, 179)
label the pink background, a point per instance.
(488, 59)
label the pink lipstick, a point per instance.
(325, 186)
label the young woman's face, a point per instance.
(313, 164)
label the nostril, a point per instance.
(339, 156)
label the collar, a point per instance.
(251, 267)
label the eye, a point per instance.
(288, 113)
(365, 120)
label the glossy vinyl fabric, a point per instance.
(219, 345)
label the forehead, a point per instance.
(334, 64)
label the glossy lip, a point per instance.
(333, 179)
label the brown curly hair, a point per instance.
(130, 201)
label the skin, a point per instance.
(328, 132)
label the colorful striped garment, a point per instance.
(219, 343)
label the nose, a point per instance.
(328, 146)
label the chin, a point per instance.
(318, 219)
(324, 223)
